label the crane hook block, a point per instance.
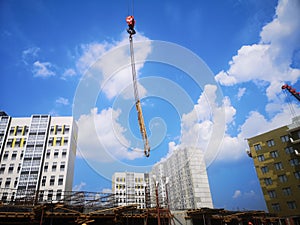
(131, 22)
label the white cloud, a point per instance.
(266, 63)
(62, 101)
(270, 59)
(78, 187)
(237, 194)
(101, 137)
(53, 112)
(114, 68)
(250, 128)
(241, 93)
(283, 33)
(204, 117)
(30, 54)
(234, 147)
(68, 73)
(250, 194)
(90, 54)
(197, 127)
(42, 69)
(205, 124)
(106, 191)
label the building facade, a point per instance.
(131, 188)
(37, 156)
(277, 162)
(181, 181)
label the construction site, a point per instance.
(100, 208)
(30, 147)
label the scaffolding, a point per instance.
(90, 208)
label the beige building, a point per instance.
(277, 162)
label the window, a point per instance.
(289, 150)
(12, 131)
(62, 166)
(287, 191)
(276, 207)
(285, 138)
(270, 143)
(19, 168)
(58, 141)
(7, 182)
(10, 168)
(52, 130)
(52, 180)
(44, 181)
(292, 205)
(4, 196)
(46, 166)
(297, 175)
(282, 178)
(18, 142)
(278, 166)
(5, 156)
(41, 196)
(59, 129)
(2, 168)
(40, 136)
(64, 153)
(274, 154)
(268, 181)
(66, 129)
(294, 162)
(9, 143)
(60, 180)
(50, 195)
(58, 194)
(14, 155)
(261, 158)
(48, 154)
(56, 153)
(50, 142)
(54, 165)
(16, 182)
(65, 141)
(257, 147)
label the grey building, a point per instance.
(181, 181)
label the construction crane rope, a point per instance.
(131, 22)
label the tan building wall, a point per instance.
(278, 168)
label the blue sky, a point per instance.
(71, 58)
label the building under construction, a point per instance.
(100, 208)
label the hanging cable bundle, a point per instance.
(131, 22)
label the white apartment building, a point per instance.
(130, 188)
(181, 181)
(37, 156)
